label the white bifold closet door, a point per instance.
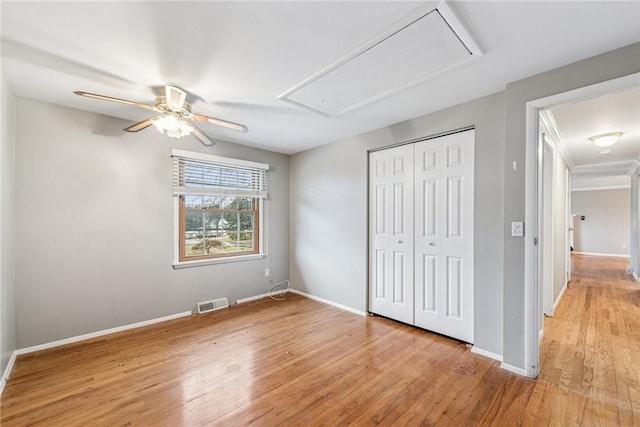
(421, 234)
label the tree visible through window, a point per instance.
(219, 207)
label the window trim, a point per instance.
(178, 217)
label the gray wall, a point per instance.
(605, 228)
(94, 226)
(610, 65)
(329, 211)
(7, 272)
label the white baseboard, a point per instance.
(328, 302)
(7, 371)
(602, 254)
(255, 297)
(486, 353)
(516, 370)
(99, 333)
(560, 295)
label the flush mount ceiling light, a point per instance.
(605, 139)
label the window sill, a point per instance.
(200, 262)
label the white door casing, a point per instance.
(545, 227)
(444, 221)
(391, 233)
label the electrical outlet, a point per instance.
(517, 229)
(624, 246)
(266, 272)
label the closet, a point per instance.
(421, 234)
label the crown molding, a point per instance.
(554, 134)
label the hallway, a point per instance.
(590, 354)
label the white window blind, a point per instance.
(218, 176)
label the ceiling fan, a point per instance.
(175, 117)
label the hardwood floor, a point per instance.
(591, 350)
(300, 362)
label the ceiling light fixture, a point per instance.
(605, 139)
(172, 126)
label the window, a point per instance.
(219, 207)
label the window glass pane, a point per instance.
(243, 203)
(214, 245)
(246, 221)
(194, 247)
(239, 242)
(227, 202)
(193, 202)
(193, 223)
(211, 202)
(230, 221)
(193, 234)
(214, 222)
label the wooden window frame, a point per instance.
(182, 211)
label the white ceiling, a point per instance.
(576, 122)
(236, 58)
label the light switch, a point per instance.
(517, 229)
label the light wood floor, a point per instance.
(299, 362)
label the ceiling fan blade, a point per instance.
(219, 122)
(112, 99)
(206, 141)
(136, 127)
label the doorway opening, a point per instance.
(538, 210)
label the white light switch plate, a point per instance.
(517, 229)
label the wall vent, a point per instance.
(216, 304)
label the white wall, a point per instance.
(560, 225)
(94, 226)
(329, 211)
(605, 229)
(7, 272)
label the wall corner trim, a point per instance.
(486, 353)
(329, 302)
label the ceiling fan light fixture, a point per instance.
(605, 139)
(172, 126)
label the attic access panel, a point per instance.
(395, 60)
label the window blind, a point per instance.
(218, 177)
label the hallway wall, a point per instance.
(605, 229)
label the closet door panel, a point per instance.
(391, 257)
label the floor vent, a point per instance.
(216, 304)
